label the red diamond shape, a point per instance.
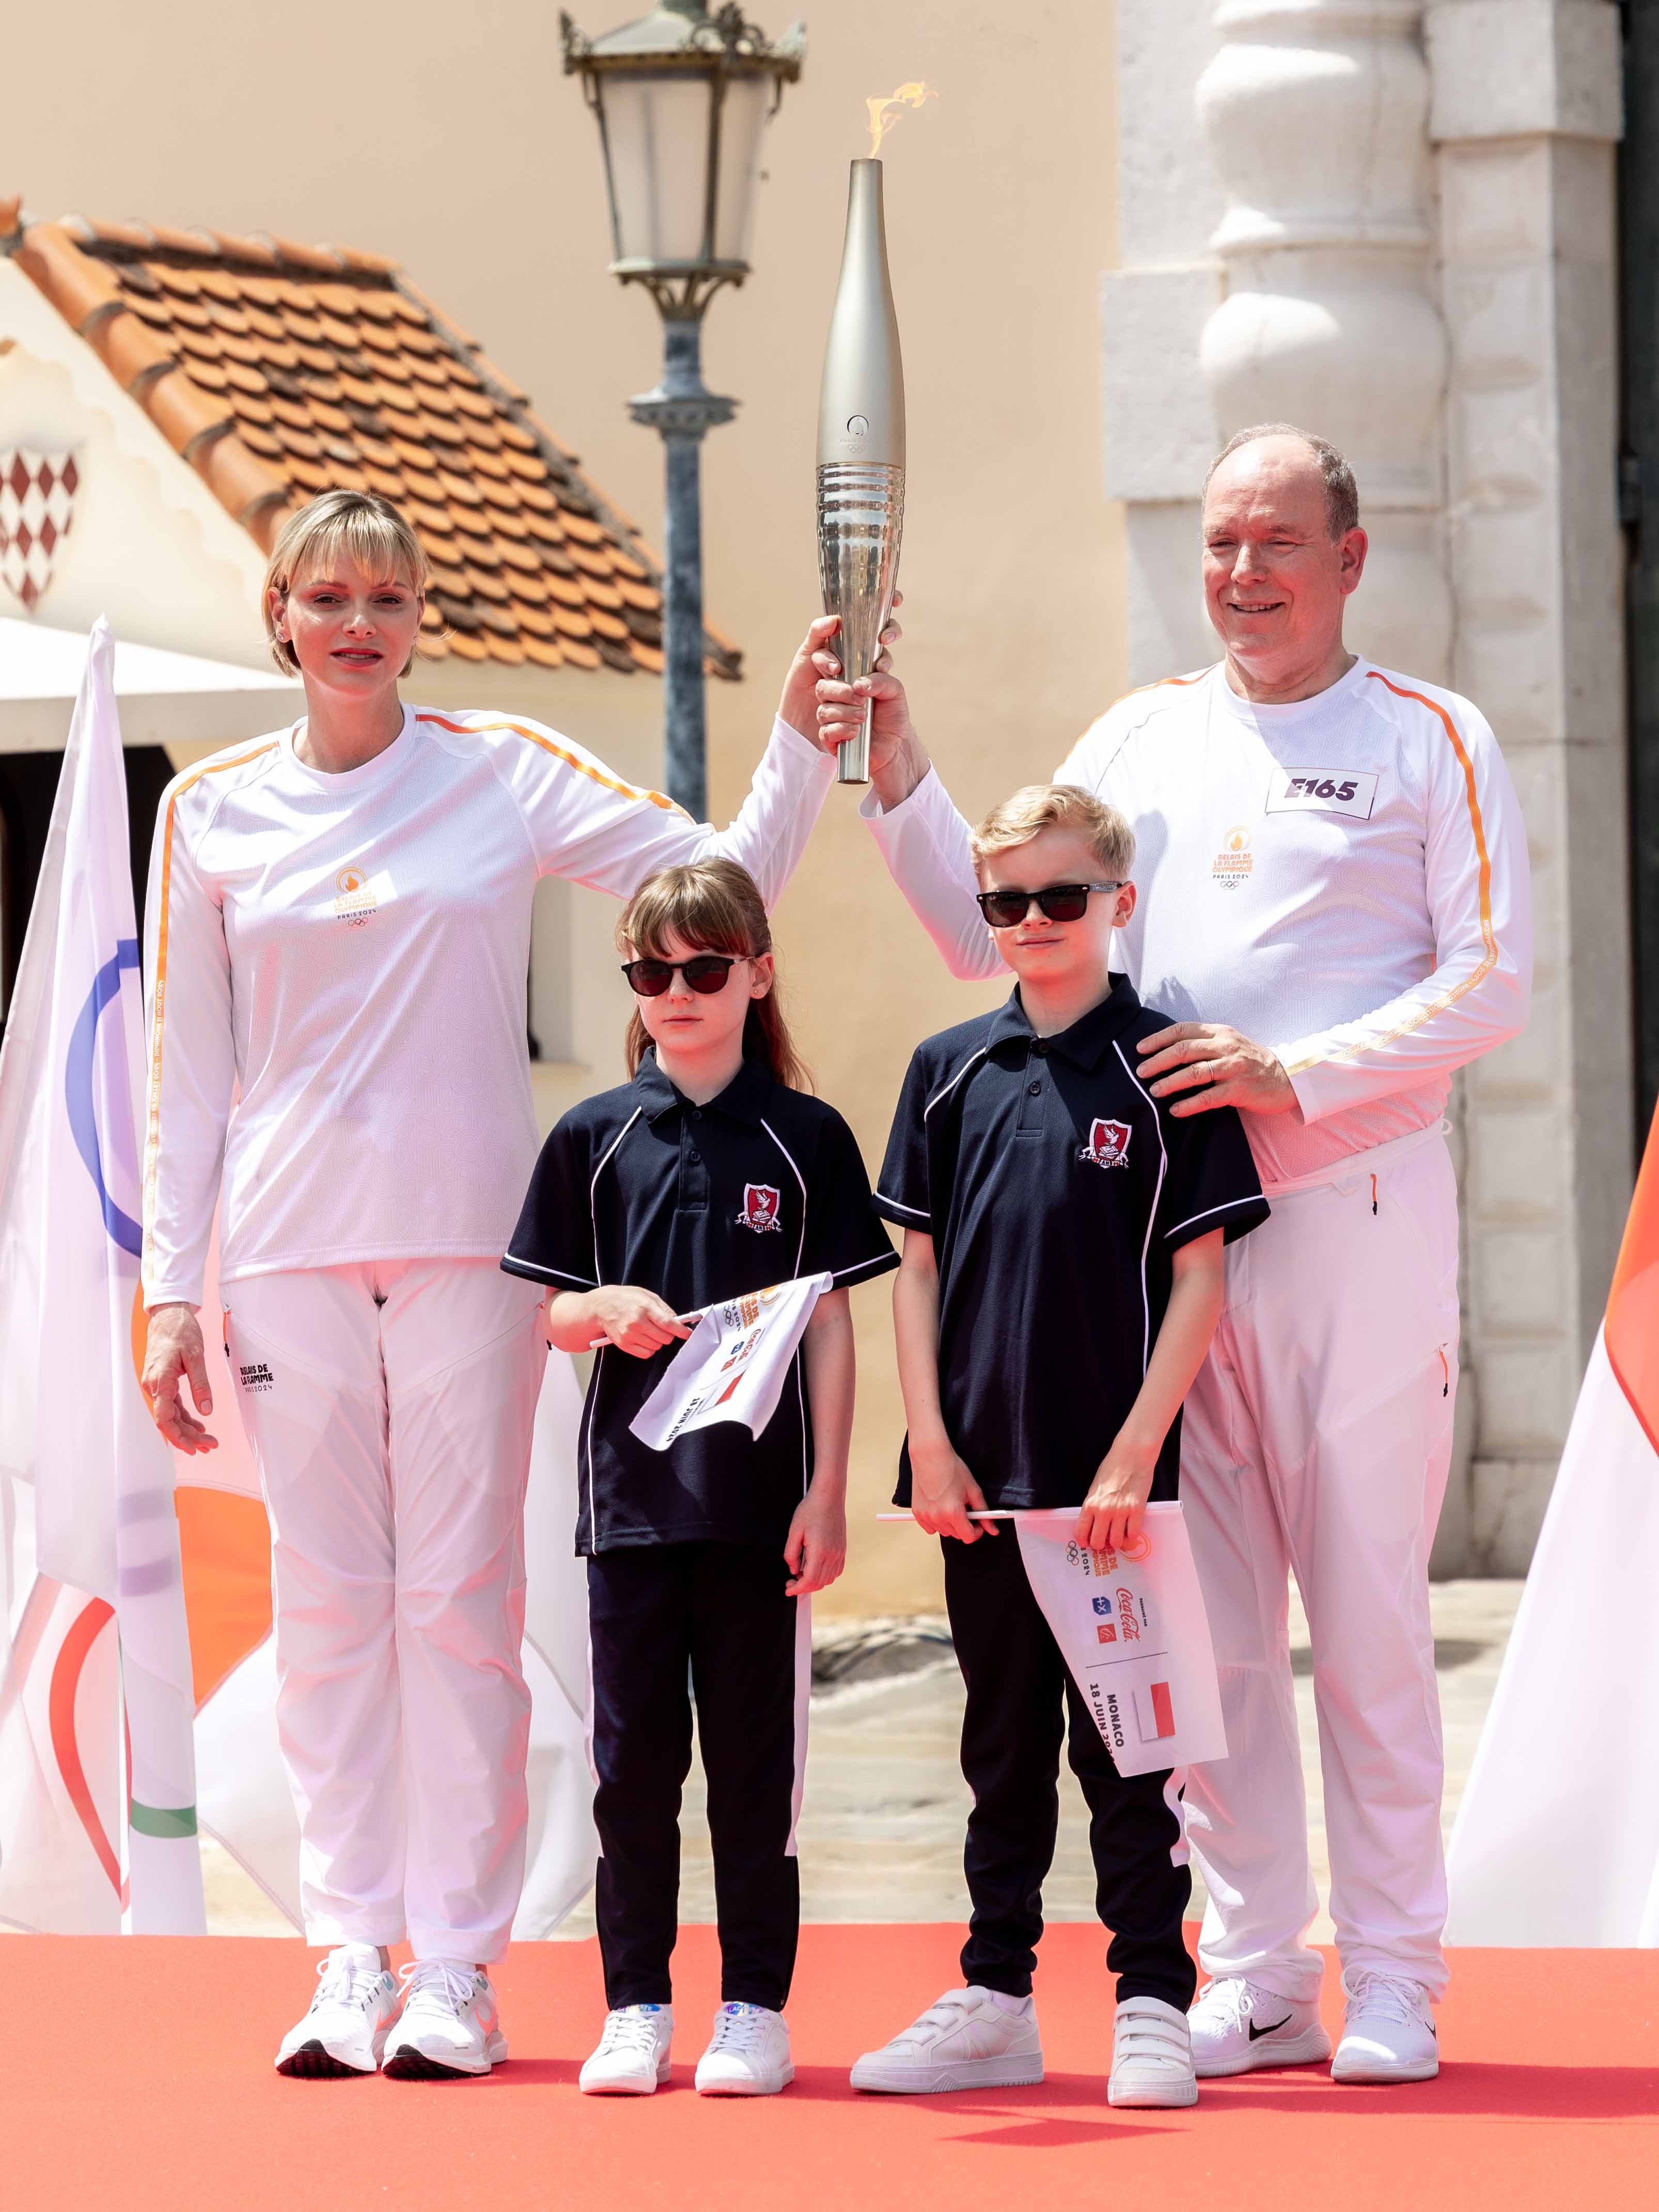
(19, 478)
(69, 479)
(48, 536)
(25, 539)
(46, 478)
(29, 593)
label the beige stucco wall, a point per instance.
(452, 141)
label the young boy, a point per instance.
(1060, 1282)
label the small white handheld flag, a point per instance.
(732, 1366)
(1135, 1633)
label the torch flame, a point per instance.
(884, 113)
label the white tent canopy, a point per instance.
(171, 699)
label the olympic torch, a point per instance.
(861, 451)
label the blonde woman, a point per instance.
(338, 933)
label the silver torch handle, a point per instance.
(860, 521)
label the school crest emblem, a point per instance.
(760, 1207)
(1107, 1146)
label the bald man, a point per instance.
(1334, 900)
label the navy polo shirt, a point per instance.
(698, 1204)
(1056, 1190)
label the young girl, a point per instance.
(711, 1173)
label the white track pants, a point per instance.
(1317, 1440)
(390, 1407)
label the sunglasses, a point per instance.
(705, 973)
(1058, 902)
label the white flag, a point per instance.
(1135, 1633)
(733, 1366)
(74, 1425)
(1557, 1837)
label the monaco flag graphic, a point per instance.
(97, 1779)
(1557, 1840)
(733, 1366)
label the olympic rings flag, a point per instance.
(1557, 1840)
(97, 1824)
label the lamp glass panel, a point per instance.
(744, 112)
(657, 136)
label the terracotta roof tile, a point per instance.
(277, 369)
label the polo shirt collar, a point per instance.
(1085, 1043)
(744, 1098)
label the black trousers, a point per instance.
(720, 1610)
(1020, 1699)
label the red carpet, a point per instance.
(137, 2074)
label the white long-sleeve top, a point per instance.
(1343, 879)
(350, 952)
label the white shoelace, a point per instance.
(1387, 1997)
(437, 1981)
(1233, 1998)
(628, 2031)
(739, 2031)
(345, 1978)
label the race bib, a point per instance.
(1323, 791)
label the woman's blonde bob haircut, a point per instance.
(359, 523)
(1060, 807)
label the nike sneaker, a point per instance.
(748, 2054)
(1389, 2035)
(632, 2056)
(1237, 2026)
(346, 2030)
(965, 2041)
(1152, 2056)
(450, 2027)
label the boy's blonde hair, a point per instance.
(1059, 806)
(360, 523)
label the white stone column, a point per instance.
(1159, 423)
(1314, 110)
(1524, 117)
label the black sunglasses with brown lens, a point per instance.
(705, 973)
(1007, 909)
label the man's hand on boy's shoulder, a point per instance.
(942, 1493)
(1233, 1070)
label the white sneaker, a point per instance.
(748, 2054)
(632, 2058)
(450, 2025)
(965, 2041)
(1237, 2026)
(1151, 2055)
(1389, 2035)
(346, 2030)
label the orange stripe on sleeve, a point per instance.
(1478, 828)
(559, 753)
(1135, 692)
(153, 1130)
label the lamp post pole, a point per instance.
(681, 97)
(681, 409)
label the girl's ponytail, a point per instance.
(716, 906)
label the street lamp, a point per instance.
(682, 97)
